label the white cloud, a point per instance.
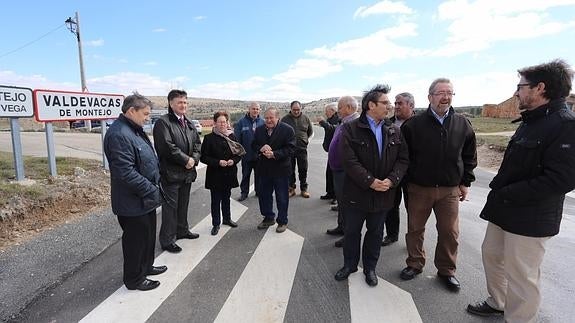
(307, 69)
(36, 82)
(475, 26)
(228, 90)
(374, 49)
(198, 18)
(151, 63)
(383, 7)
(95, 43)
(159, 30)
(127, 82)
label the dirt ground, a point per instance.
(69, 197)
(77, 195)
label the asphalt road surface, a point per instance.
(74, 272)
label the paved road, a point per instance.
(73, 272)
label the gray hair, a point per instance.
(137, 101)
(408, 97)
(438, 80)
(274, 110)
(332, 106)
(349, 100)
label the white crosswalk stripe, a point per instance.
(136, 306)
(262, 292)
(382, 303)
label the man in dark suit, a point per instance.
(178, 146)
(375, 159)
(134, 179)
(275, 144)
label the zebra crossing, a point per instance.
(262, 291)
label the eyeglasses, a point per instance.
(521, 85)
(447, 94)
(385, 103)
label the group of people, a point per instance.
(428, 158)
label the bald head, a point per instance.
(346, 106)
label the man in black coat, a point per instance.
(135, 191)
(274, 143)
(178, 146)
(525, 204)
(329, 126)
(375, 159)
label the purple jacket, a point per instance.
(334, 155)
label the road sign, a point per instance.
(15, 102)
(67, 106)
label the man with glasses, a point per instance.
(525, 204)
(442, 156)
(374, 159)
(404, 109)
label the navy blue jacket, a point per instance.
(244, 131)
(538, 168)
(282, 142)
(134, 169)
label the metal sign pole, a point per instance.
(51, 150)
(17, 149)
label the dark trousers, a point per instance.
(329, 189)
(220, 198)
(138, 244)
(338, 179)
(392, 219)
(299, 158)
(269, 185)
(371, 242)
(247, 167)
(174, 211)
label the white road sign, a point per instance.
(66, 106)
(16, 102)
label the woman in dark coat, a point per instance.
(221, 153)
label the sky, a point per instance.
(284, 50)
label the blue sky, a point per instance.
(285, 50)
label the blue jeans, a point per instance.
(371, 242)
(269, 185)
(220, 198)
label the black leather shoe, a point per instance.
(327, 197)
(172, 247)
(450, 282)
(409, 273)
(242, 197)
(370, 277)
(343, 273)
(215, 230)
(230, 223)
(146, 284)
(156, 270)
(483, 309)
(339, 243)
(188, 235)
(337, 231)
(388, 240)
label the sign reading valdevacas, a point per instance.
(15, 102)
(67, 106)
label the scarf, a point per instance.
(236, 148)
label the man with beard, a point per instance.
(525, 204)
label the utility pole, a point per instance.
(74, 27)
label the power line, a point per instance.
(31, 42)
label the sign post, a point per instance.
(52, 105)
(16, 102)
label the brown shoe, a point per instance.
(305, 194)
(281, 228)
(291, 192)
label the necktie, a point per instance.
(182, 122)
